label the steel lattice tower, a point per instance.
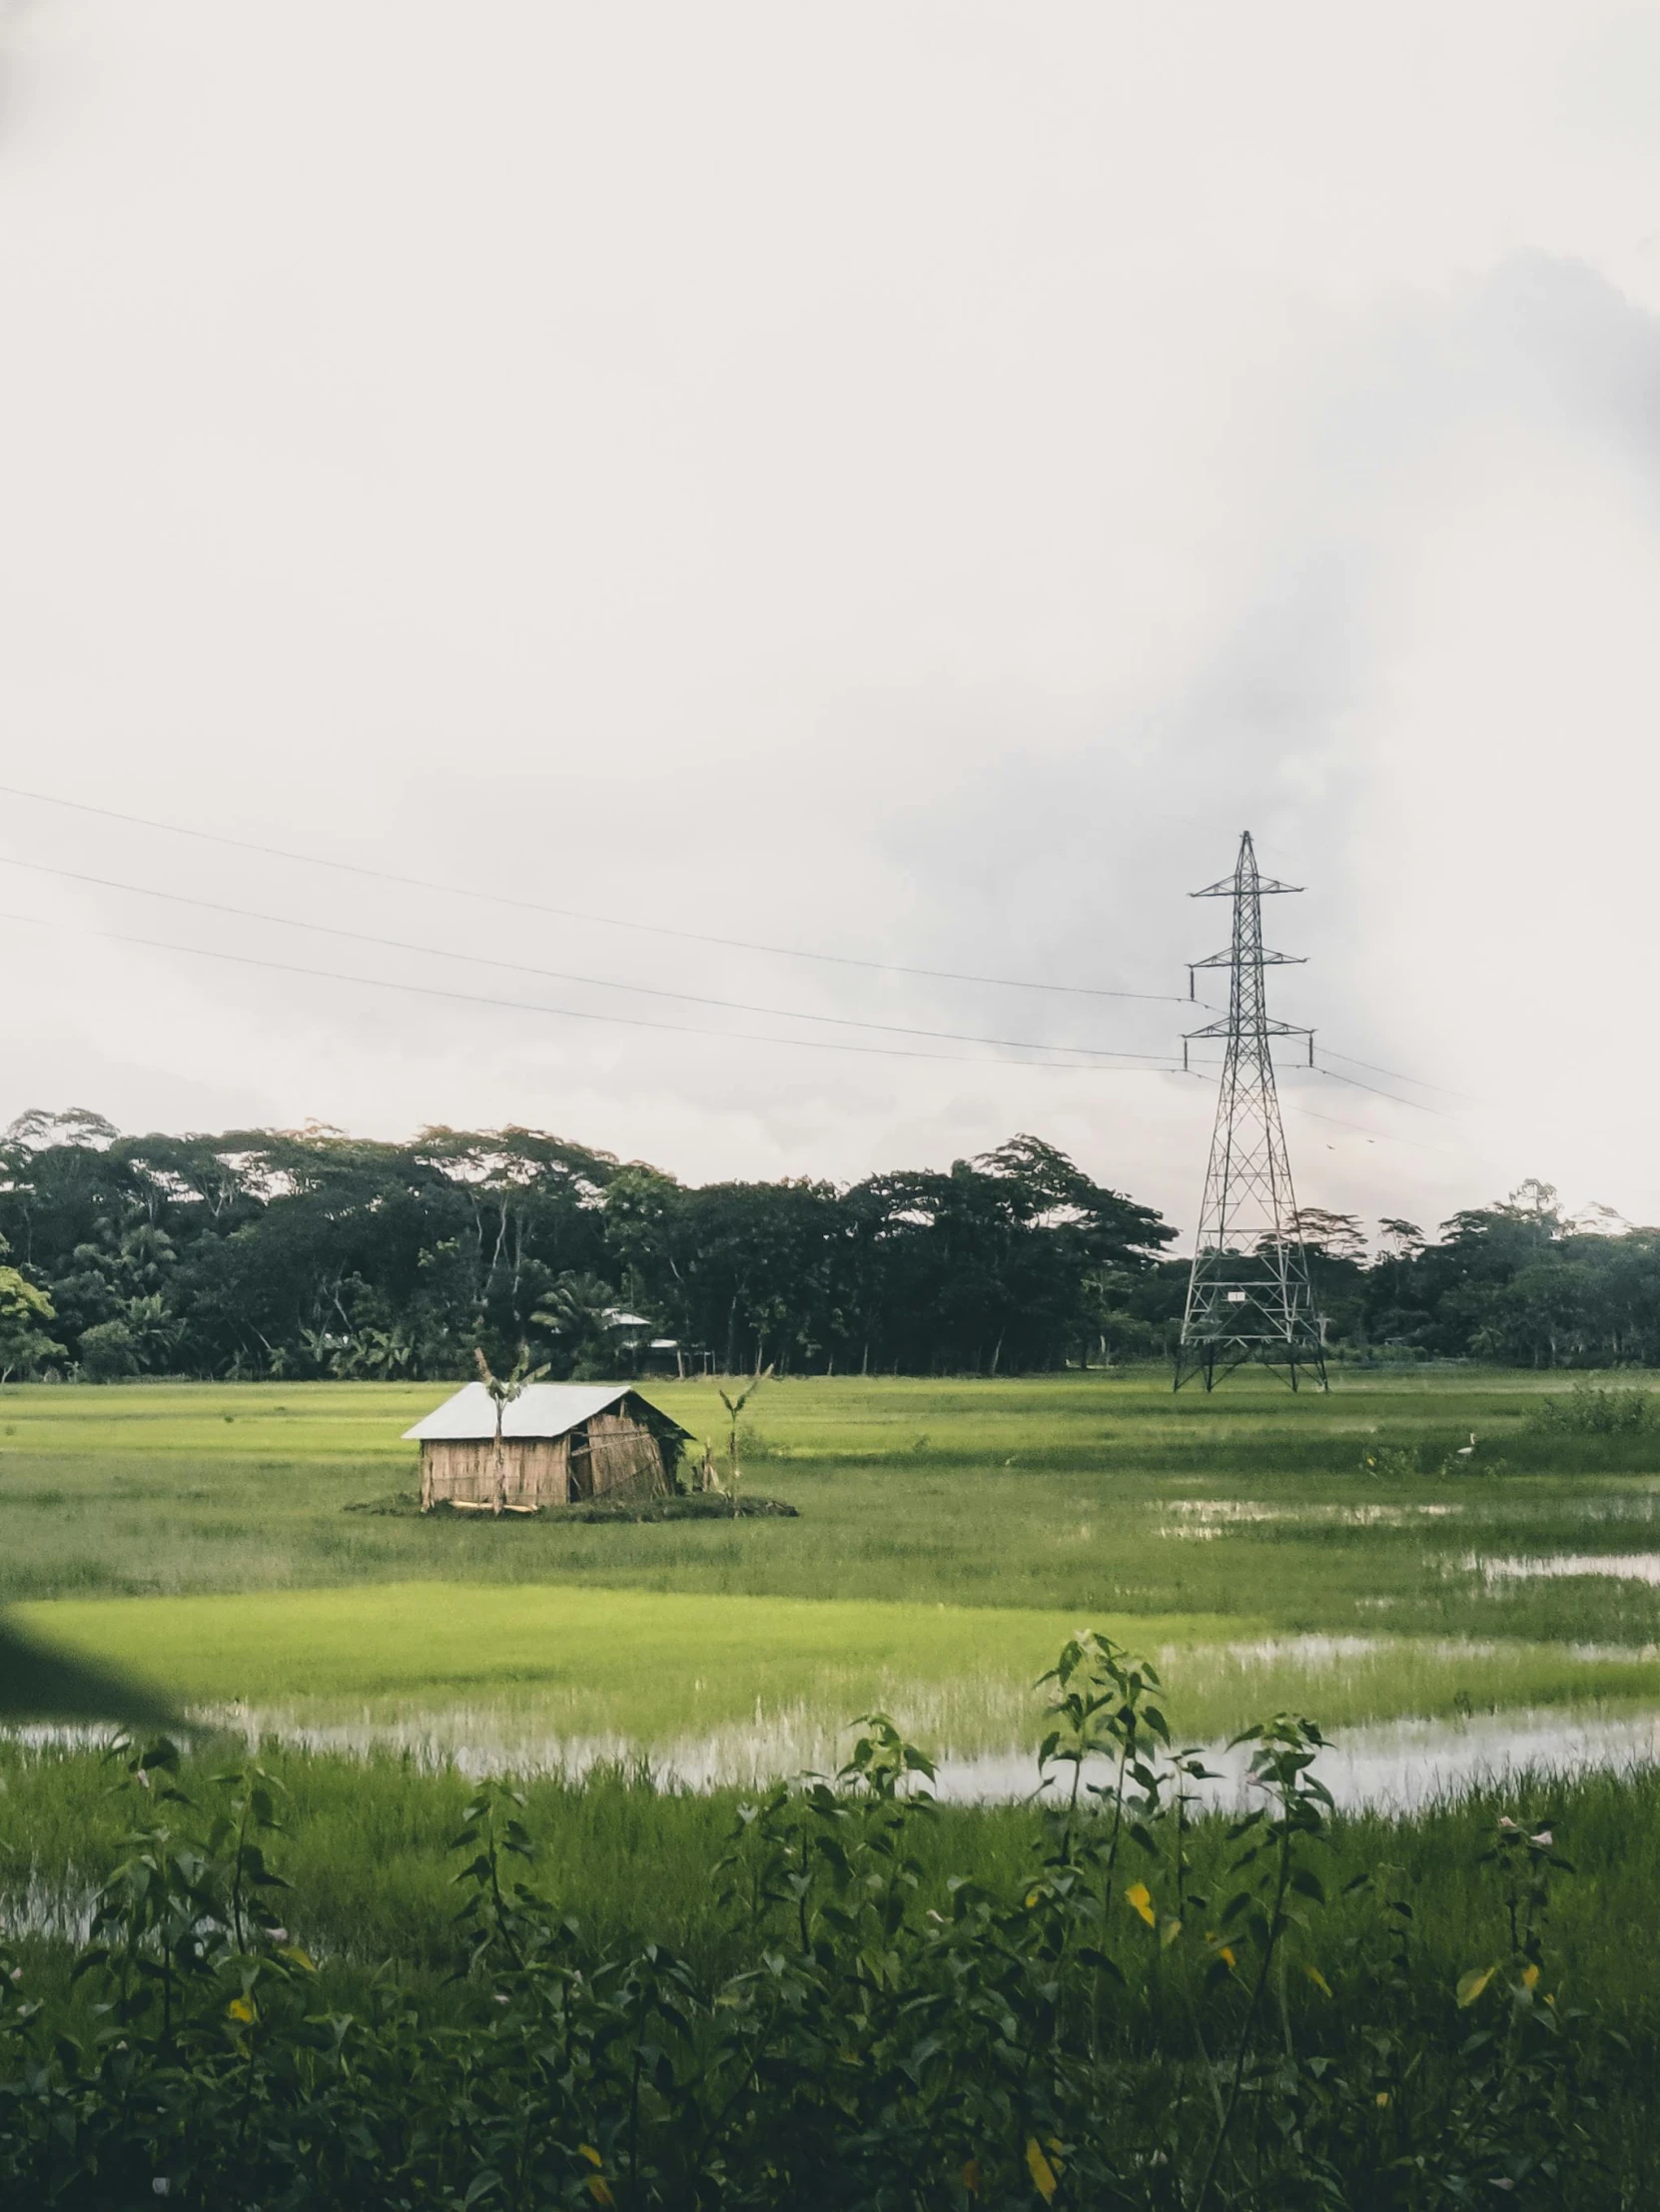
(1249, 1296)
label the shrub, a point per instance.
(1391, 1462)
(1098, 2031)
(108, 1350)
(1590, 1409)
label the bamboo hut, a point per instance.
(561, 1441)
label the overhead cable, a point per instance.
(1293, 1105)
(1209, 1007)
(1417, 1106)
(574, 1014)
(502, 898)
(1398, 1075)
(579, 914)
(560, 974)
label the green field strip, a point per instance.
(637, 1650)
(572, 1660)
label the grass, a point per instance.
(367, 1850)
(494, 1672)
(1101, 1493)
(950, 1533)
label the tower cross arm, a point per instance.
(1271, 1028)
(1226, 886)
(1269, 959)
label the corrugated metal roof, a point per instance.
(544, 1409)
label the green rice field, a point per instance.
(252, 1553)
(251, 1550)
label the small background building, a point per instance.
(560, 1441)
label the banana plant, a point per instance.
(503, 1390)
(734, 1408)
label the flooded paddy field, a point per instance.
(980, 1737)
(251, 1550)
(1474, 1635)
(704, 1690)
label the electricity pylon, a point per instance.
(1249, 1296)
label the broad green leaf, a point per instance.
(1470, 1986)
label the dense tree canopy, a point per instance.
(307, 1253)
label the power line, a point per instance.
(1397, 1074)
(1417, 1106)
(560, 974)
(571, 1014)
(1372, 1068)
(578, 914)
(1313, 1113)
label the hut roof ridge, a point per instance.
(543, 1409)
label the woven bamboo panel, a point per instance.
(623, 1455)
(537, 1472)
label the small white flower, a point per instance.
(277, 1935)
(161, 2186)
(1545, 1838)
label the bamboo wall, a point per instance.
(621, 1454)
(612, 1452)
(537, 1472)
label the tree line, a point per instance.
(309, 1253)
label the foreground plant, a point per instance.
(1162, 2011)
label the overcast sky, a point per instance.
(900, 481)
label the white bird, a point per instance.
(1464, 1450)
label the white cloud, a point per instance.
(911, 481)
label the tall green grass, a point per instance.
(366, 1848)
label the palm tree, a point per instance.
(503, 1390)
(577, 1310)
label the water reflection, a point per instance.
(1202, 1518)
(1391, 1766)
(1622, 1566)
